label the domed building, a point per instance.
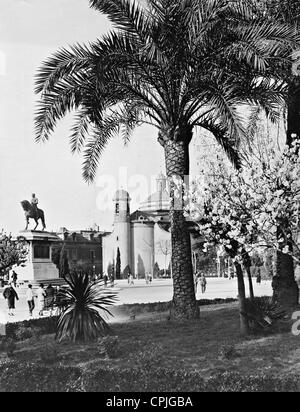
(140, 238)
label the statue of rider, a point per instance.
(34, 204)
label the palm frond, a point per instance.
(222, 136)
(80, 130)
(126, 15)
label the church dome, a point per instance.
(160, 200)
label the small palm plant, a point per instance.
(263, 312)
(82, 305)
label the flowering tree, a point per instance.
(253, 210)
(13, 252)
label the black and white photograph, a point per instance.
(149, 199)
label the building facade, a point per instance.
(141, 237)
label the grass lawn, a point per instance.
(151, 340)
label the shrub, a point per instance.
(227, 352)
(82, 301)
(26, 377)
(8, 345)
(149, 357)
(108, 346)
(263, 312)
(23, 333)
(49, 353)
(44, 325)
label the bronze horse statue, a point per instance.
(30, 213)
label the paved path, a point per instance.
(158, 291)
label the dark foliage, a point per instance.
(83, 303)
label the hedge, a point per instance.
(46, 325)
(165, 306)
(25, 377)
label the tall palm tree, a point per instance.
(173, 64)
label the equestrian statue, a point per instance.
(32, 212)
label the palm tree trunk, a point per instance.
(184, 305)
(244, 324)
(285, 287)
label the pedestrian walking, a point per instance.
(105, 279)
(112, 280)
(150, 278)
(30, 299)
(11, 296)
(131, 281)
(41, 296)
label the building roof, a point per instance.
(157, 201)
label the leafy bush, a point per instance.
(235, 382)
(149, 357)
(227, 352)
(81, 302)
(138, 308)
(26, 377)
(263, 312)
(37, 327)
(8, 345)
(49, 353)
(108, 346)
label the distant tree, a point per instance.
(126, 271)
(13, 252)
(110, 269)
(118, 265)
(61, 261)
(164, 247)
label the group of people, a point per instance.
(45, 298)
(107, 278)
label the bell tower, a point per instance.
(122, 234)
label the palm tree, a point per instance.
(175, 65)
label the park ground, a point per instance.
(146, 352)
(207, 347)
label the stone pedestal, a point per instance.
(39, 266)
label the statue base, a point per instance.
(39, 266)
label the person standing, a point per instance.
(258, 276)
(150, 278)
(41, 296)
(105, 278)
(131, 282)
(112, 280)
(203, 283)
(14, 278)
(11, 296)
(30, 299)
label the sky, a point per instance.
(31, 30)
